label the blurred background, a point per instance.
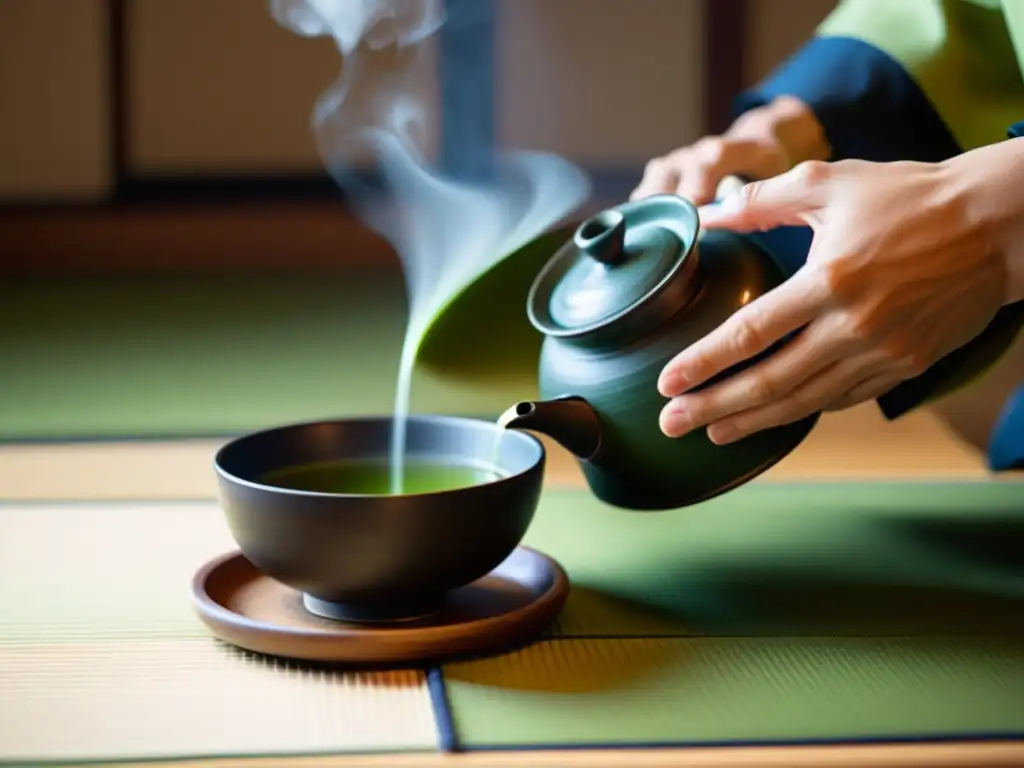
(109, 105)
(175, 260)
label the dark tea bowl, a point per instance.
(309, 505)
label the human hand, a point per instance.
(901, 272)
(762, 143)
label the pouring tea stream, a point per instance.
(447, 224)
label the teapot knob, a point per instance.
(602, 237)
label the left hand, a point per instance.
(901, 272)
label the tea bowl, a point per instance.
(363, 554)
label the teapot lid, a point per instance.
(615, 261)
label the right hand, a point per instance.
(762, 143)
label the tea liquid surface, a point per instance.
(373, 476)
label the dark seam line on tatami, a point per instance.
(444, 722)
(969, 738)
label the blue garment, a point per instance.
(1006, 444)
(871, 109)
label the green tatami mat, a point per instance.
(778, 613)
(798, 559)
(170, 354)
(674, 691)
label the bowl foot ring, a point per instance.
(375, 613)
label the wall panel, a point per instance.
(602, 82)
(54, 99)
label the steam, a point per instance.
(446, 230)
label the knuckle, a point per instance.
(700, 409)
(764, 388)
(861, 326)
(700, 365)
(905, 357)
(915, 362)
(711, 151)
(747, 337)
(891, 354)
(812, 172)
(840, 280)
(799, 404)
(655, 167)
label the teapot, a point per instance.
(635, 285)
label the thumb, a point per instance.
(784, 200)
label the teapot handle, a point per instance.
(729, 185)
(726, 187)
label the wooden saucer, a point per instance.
(244, 607)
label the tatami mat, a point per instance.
(186, 354)
(856, 444)
(135, 698)
(748, 619)
(672, 691)
(102, 658)
(794, 559)
(72, 573)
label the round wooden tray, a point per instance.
(512, 604)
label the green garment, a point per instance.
(967, 56)
(967, 59)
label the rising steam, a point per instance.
(446, 230)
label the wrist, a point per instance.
(988, 182)
(789, 125)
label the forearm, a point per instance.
(988, 185)
(982, 190)
(863, 92)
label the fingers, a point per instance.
(695, 172)
(871, 389)
(749, 331)
(712, 160)
(767, 382)
(784, 200)
(661, 177)
(812, 396)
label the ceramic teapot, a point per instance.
(636, 284)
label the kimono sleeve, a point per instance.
(920, 80)
(904, 79)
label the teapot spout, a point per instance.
(569, 421)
